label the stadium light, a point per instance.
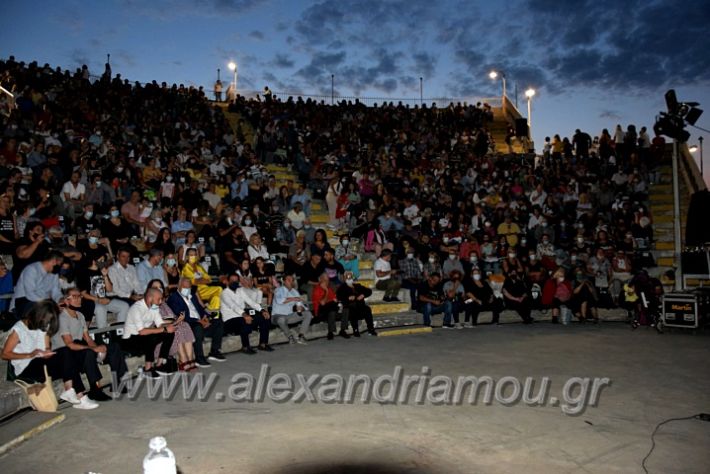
(233, 67)
(494, 75)
(530, 93)
(693, 149)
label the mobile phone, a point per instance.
(468, 301)
(201, 240)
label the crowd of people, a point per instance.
(137, 203)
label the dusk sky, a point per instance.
(593, 63)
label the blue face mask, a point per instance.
(115, 213)
(154, 307)
(185, 292)
(93, 240)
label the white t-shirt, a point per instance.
(73, 192)
(139, 317)
(382, 265)
(30, 339)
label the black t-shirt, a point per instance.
(333, 270)
(263, 277)
(7, 230)
(482, 292)
(116, 232)
(20, 263)
(434, 293)
(94, 254)
(91, 281)
(82, 225)
(516, 287)
(310, 274)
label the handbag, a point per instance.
(40, 395)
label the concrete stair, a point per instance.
(238, 124)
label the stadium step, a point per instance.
(319, 218)
(666, 245)
(384, 308)
(665, 262)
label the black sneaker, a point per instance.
(394, 299)
(344, 335)
(356, 333)
(151, 374)
(248, 350)
(98, 395)
(266, 347)
(164, 370)
(302, 340)
(447, 326)
(330, 336)
(203, 363)
(372, 332)
(217, 357)
(386, 299)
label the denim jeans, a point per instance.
(429, 309)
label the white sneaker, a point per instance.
(70, 396)
(458, 326)
(85, 403)
(468, 325)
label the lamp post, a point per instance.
(494, 75)
(702, 174)
(530, 93)
(233, 67)
(421, 90)
(332, 89)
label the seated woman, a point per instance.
(257, 249)
(27, 348)
(200, 278)
(584, 301)
(190, 243)
(320, 242)
(479, 297)
(182, 343)
(345, 254)
(264, 279)
(298, 254)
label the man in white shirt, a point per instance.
(289, 308)
(242, 311)
(384, 277)
(144, 330)
(124, 277)
(297, 216)
(73, 193)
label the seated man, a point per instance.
(289, 308)
(151, 268)
(242, 311)
(384, 276)
(432, 300)
(352, 296)
(38, 281)
(516, 296)
(126, 285)
(199, 277)
(186, 301)
(325, 306)
(95, 285)
(144, 330)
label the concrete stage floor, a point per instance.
(653, 377)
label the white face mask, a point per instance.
(349, 281)
(247, 222)
(185, 292)
(452, 257)
(432, 260)
(473, 258)
(511, 255)
(346, 242)
(446, 240)
(476, 276)
(410, 255)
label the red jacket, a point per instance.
(318, 293)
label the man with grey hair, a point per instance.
(289, 308)
(151, 269)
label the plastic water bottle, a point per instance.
(159, 460)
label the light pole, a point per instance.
(529, 94)
(332, 89)
(494, 75)
(421, 91)
(233, 67)
(702, 174)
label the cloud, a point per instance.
(257, 35)
(610, 114)
(321, 64)
(168, 10)
(282, 61)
